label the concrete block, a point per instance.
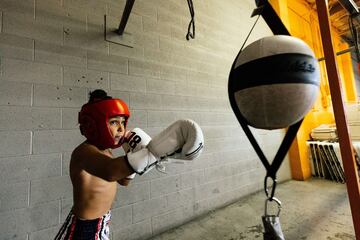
(125, 51)
(168, 220)
(138, 118)
(196, 116)
(202, 104)
(141, 230)
(115, 7)
(93, 40)
(66, 206)
(75, 33)
(199, 77)
(14, 196)
(165, 16)
(200, 208)
(145, 9)
(193, 178)
(12, 46)
(165, 185)
(222, 131)
(217, 172)
(181, 198)
(135, 192)
(69, 118)
(50, 189)
(208, 190)
(227, 144)
(143, 68)
(45, 118)
(121, 217)
(161, 118)
(171, 102)
(148, 208)
(198, 90)
(224, 119)
(49, 8)
(219, 80)
(152, 26)
(44, 234)
(59, 96)
(55, 141)
(179, 32)
(146, 40)
(14, 143)
(17, 6)
(160, 57)
(142, 101)
(14, 93)
(81, 77)
(30, 219)
(32, 72)
(28, 118)
(170, 45)
(125, 96)
(14, 236)
(92, 6)
(179, 8)
(129, 83)
(57, 54)
(109, 63)
(65, 159)
(160, 86)
(25, 25)
(26, 168)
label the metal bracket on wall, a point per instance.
(119, 36)
(112, 36)
(271, 18)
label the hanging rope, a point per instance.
(247, 37)
(192, 22)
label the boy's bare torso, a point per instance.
(93, 196)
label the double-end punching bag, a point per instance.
(273, 83)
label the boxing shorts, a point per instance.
(75, 228)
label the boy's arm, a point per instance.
(98, 164)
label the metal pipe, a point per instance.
(347, 155)
(125, 16)
(339, 53)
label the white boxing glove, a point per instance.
(181, 140)
(142, 161)
(136, 140)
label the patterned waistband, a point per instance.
(76, 228)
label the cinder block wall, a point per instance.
(53, 53)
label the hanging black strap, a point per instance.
(271, 169)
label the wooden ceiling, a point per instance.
(339, 16)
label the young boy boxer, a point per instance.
(95, 172)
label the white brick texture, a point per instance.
(53, 52)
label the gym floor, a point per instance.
(311, 210)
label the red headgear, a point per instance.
(94, 117)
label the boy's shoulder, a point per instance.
(82, 150)
(87, 151)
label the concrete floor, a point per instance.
(312, 210)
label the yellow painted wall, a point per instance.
(302, 22)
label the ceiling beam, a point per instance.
(350, 6)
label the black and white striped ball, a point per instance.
(274, 81)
